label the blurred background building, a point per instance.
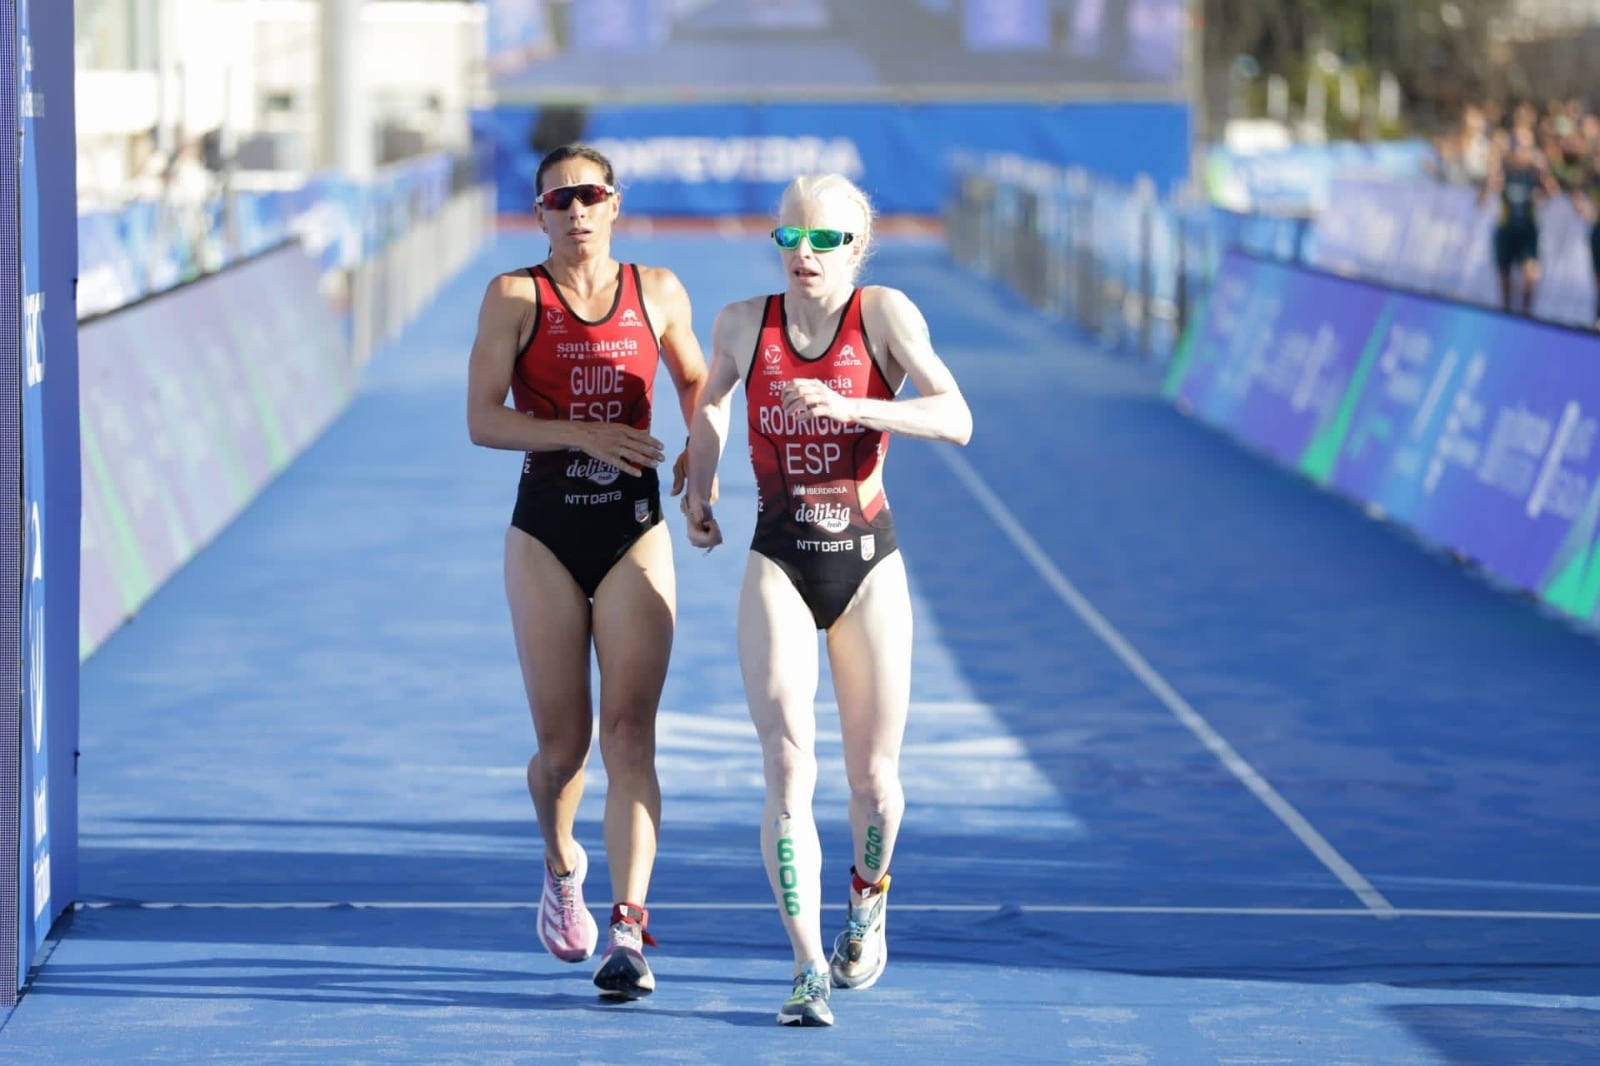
(240, 84)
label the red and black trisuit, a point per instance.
(585, 510)
(822, 515)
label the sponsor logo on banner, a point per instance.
(33, 336)
(833, 517)
(707, 160)
(596, 470)
(869, 546)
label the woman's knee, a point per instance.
(877, 784)
(628, 739)
(557, 763)
(788, 766)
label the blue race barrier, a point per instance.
(40, 266)
(1474, 429)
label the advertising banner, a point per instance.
(36, 520)
(1476, 430)
(144, 247)
(16, 784)
(1273, 354)
(192, 401)
(716, 159)
(1301, 179)
(38, 441)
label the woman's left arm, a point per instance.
(680, 351)
(938, 412)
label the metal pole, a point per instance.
(346, 133)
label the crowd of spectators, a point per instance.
(1523, 156)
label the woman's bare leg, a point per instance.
(869, 650)
(778, 657)
(550, 622)
(633, 621)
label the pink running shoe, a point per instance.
(566, 928)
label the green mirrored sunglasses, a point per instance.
(821, 240)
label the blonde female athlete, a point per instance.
(821, 364)
(575, 341)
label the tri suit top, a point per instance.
(821, 512)
(585, 510)
(1517, 196)
(1592, 186)
(1516, 237)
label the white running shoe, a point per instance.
(862, 951)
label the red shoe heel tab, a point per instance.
(634, 914)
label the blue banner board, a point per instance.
(735, 159)
(1474, 429)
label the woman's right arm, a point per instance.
(708, 432)
(493, 424)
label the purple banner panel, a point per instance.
(1274, 352)
(192, 402)
(1475, 429)
(1478, 430)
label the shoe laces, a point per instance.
(811, 983)
(566, 886)
(626, 935)
(860, 917)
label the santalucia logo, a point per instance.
(596, 470)
(833, 517)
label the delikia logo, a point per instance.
(596, 470)
(833, 517)
(869, 546)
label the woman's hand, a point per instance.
(703, 529)
(629, 450)
(808, 397)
